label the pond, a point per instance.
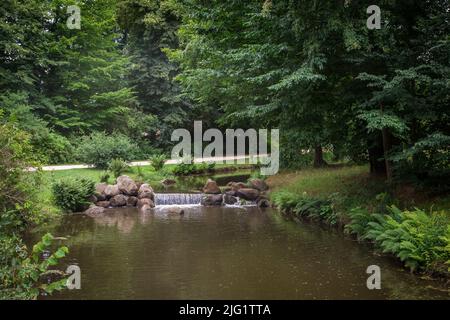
(224, 253)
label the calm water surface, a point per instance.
(224, 253)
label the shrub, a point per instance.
(104, 176)
(72, 194)
(118, 167)
(100, 149)
(24, 274)
(18, 204)
(416, 238)
(305, 207)
(157, 161)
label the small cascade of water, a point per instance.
(177, 198)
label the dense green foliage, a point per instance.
(23, 274)
(157, 161)
(72, 194)
(100, 149)
(117, 167)
(415, 237)
(314, 70)
(21, 270)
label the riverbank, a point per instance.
(399, 220)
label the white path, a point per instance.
(145, 163)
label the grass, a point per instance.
(354, 186)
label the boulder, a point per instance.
(236, 186)
(258, 184)
(119, 200)
(132, 201)
(146, 192)
(263, 202)
(100, 188)
(103, 204)
(94, 211)
(145, 202)
(248, 194)
(127, 186)
(101, 197)
(212, 200)
(229, 199)
(211, 187)
(111, 191)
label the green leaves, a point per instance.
(415, 237)
(72, 194)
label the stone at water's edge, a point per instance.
(127, 186)
(146, 192)
(263, 202)
(212, 200)
(119, 200)
(145, 202)
(229, 199)
(132, 201)
(211, 187)
(248, 194)
(94, 210)
(103, 204)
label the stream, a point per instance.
(223, 253)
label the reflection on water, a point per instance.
(223, 253)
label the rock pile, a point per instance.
(255, 191)
(125, 193)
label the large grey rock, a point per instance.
(100, 188)
(258, 184)
(146, 192)
(229, 199)
(103, 204)
(132, 201)
(94, 211)
(212, 200)
(111, 191)
(119, 200)
(127, 186)
(263, 202)
(211, 187)
(248, 194)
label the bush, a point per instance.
(18, 204)
(305, 207)
(418, 239)
(24, 274)
(157, 161)
(104, 177)
(72, 194)
(118, 167)
(100, 149)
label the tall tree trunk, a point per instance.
(318, 157)
(386, 148)
(376, 156)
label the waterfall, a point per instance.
(177, 198)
